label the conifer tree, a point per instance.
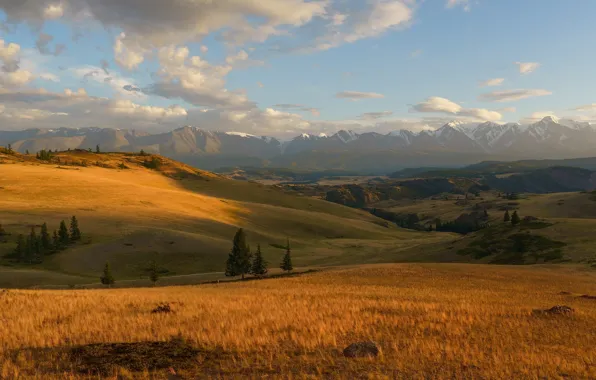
(506, 218)
(153, 272)
(21, 248)
(259, 265)
(286, 263)
(75, 233)
(63, 234)
(239, 260)
(56, 241)
(46, 242)
(515, 219)
(33, 246)
(97, 149)
(27, 152)
(107, 278)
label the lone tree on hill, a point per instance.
(515, 219)
(63, 234)
(286, 263)
(75, 233)
(107, 278)
(97, 149)
(153, 272)
(259, 265)
(238, 263)
(506, 218)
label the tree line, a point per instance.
(32, 248)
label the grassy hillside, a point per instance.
(182, 217)
(438, 321)
(563, 217)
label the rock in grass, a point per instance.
(361, 350)
(556, 310)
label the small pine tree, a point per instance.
(286, 263)
(33, 246)
(63, 234)
(153, 272)
(21, 248)
(231, 266)
(75, 232)
(56, 241)
(27, 152)
(239, 260)
(46, 242)
(107, 278)
(259, 265)
(507, 217)
(515, 219)
(142, 152)
(97, 149)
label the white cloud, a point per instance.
(527, 67)
(586, 108)
(49, 77)
(128, 56)
(195, 80)
(508, 109)
(513, 95)
(97, 76)
(29, 108)
(437, 104)
(53, 11)
(357, 95)
(204, 49)
(492, 82)
(537, 116)
(375, 19)
(375, 115)
(261, 85)
(299, 107)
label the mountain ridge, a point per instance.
(549, 137)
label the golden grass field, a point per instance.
(439, 321)
(183, 218)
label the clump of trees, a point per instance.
(32, 248)
(242, 262)
(44, 155)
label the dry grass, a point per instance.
(134, 215)
(430, 320)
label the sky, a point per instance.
(285, 67)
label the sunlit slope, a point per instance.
(132, 216)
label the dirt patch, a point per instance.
(101, 359)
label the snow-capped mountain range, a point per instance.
(547, 138)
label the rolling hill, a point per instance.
(180, 216)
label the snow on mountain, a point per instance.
(346, 136)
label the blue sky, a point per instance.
(282, 67)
